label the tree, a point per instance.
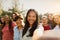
(0, 7)
(6, 13)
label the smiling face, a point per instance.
(19, 22)
(44, 21)
(7, 18)
(50, 17)
(57, 19)
(31, 17)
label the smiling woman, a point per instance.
(31, 24)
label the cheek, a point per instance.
(28, 18)
(31, 18)
(55, 20)
(34, 18)
(45, 21)
(20, 21)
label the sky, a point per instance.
(42, 6)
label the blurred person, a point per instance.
(7, 29)
(2, 20)
(14, 15)
(18, 29)
(42, 27)
(0, 29)
(31, 24)
(57, 21)
(50, 20)
(45, 23)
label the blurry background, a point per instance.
(42, 6)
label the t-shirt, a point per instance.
(46, 27)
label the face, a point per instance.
(57, 19)
(2, 19)
(19, 22)
(50, 17)
(7, 18)
(31, 17)
(44, 20)
(14, 16)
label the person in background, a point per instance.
(50, 20)
(2, 20)
(31, 23)
(14, 15)
(7, 29)
(57, 21)
(18, 29)
(45, 23)
(0, 29)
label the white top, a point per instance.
(56, 28)
(38, 32)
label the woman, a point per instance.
(42, 27)
(31, 24)
(7, 29)
(0, 29)
(45, 23)
(50, 20)
(2, 20)
(18, 28)
(57, 21)
(1, 24)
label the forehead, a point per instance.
(44, 18)
(6, 16)
(56, 16)
(32, 13)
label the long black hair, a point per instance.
(34, 26)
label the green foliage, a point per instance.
(6, 13)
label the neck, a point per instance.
(30, 25)
(19, 28)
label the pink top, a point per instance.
(7, 35)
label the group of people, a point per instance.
(13, 29)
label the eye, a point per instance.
(29, 15)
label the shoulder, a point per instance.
(37, 33)
(14, 24)
(39, 30)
